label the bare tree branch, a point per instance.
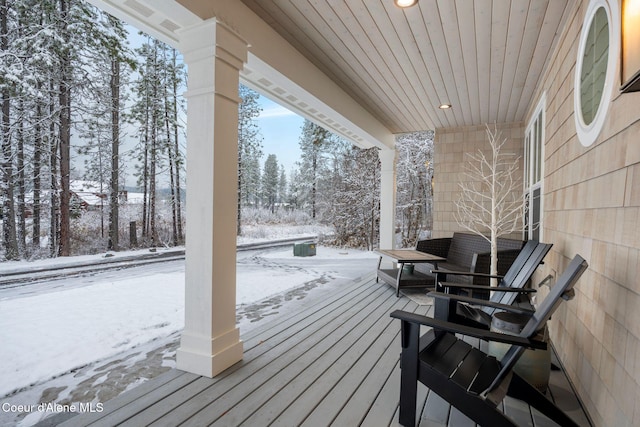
(491, 202)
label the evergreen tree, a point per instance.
(44, 77)
(252, 180)
(313, 144)
(147, 113)
(270, 179)
(102, 121)
(294, 189)
(174, 78)
(156, 112)
(8, 206)
(249, 150)
(282, 186)
(62, 67)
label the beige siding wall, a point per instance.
(592, 207)
(450, 146)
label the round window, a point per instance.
(595, 69)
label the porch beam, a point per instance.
(211, 341)
(275, 67)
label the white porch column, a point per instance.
(387, 198)
(211, 341)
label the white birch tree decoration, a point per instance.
(491, 202)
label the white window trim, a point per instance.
(587, 134)
(539, 112)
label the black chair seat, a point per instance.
(468, 367)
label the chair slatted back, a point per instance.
(520, 272)
(563, 289)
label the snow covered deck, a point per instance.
(334, 362)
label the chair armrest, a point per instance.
(466, 273)
(481, 302)
(456, 328)
(487, 288)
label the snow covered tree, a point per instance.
(491, 195)
(156, 114)
(355, 208)
(270, 182)
(282, 186)
(251, 180)
(8, 205)
(62, 67)
(101, 126)
(294, 189)
(65, 49)
(414, 196)
(76, 32)
(313, 144)
(43, 69)
(249, 149)
(146, 114)
(174, 79)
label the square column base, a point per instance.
(209, 357)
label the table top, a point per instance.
(409, 255)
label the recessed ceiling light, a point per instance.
(444, 106)
(405, 3)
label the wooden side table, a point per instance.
(401, 277)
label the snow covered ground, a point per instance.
(63, 340)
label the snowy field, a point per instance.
(63, 339)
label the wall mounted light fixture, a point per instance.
(630, 46)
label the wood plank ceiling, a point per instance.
(484, 57)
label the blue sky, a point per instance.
(280, 129)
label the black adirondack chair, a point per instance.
(469, 379)
(459, 309)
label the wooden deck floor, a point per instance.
(333, 363)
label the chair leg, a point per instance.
(409, 373)
(521, 389)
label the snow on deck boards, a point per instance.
(335, 362)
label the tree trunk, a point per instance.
(54, 216)
(172, 162)
(115, 154)
(153, 160)
(65, 139)
(152, 188)
(8, 207)
(37, 152)
(145, 171)
(172, 188)
(178, 206)
(21, 185)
